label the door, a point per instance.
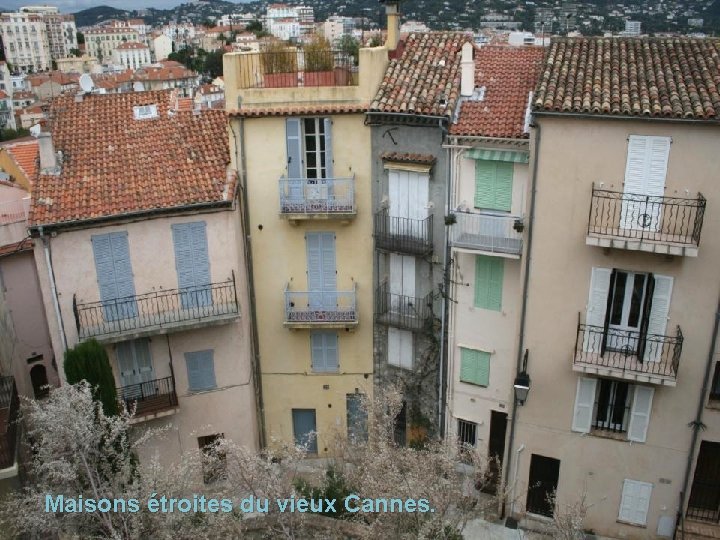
(542, 485)
(408, 193)
(704, 502)
(357, 418)
(321, 272)
(644, 182)
(304, 429)
(114, 275)
(496, 449)
(402, 284)
(192, 264)
(627, 303)
(39, 380)
(136, 369)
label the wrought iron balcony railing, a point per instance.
(158, 310)
(403, 235)
(402, 311)
(317, 196)
(149, 397)
(320, 307)
(628, 353)
(488, 232)
(9, 407)
(665, 220)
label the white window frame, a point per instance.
(629, 485)
(320, 169)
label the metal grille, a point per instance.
(612, 406)
(150, 396)
(467, 433)
(403, 235)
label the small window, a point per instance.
(324, 347)
(214, 463)
(612, 406)
(142, 112)
(467, 433)
(635, 502)
(474, 367)
(200, 370)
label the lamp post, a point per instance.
(521, 387)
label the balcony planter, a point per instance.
(450, 219)
(343, 77)
(319, 78)
(280, 80)
(279, 66)
(518, 225)
(319, 63)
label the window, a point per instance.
(214, 463)
(474, 366)
(309, 148)
(200, 370)
(493, 185)
(324, 347)
(192, 264)
(635, 502)
(357, 417)
(141, 112)
(400, 348)
(467, 433)
(489, 282)
(606, 405)
(715, 387)
(114, 275)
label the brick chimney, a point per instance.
(467, 71)
(392, 10)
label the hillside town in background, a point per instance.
(263, 219)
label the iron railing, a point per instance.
(402, 311)
(628, 351)
(297, 67)
(647, 218)
(704, 503)
(161, 309)
(14, 211)
(404, 235)
(485, 231)
(9, 407)
(321, 306)
(317, 195)
(149, 397)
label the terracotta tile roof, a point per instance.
(3, 95)
(25, 154)
(26, 244)
(508, 75)
(57, 77)
(152, 73)
(115, 165)
(254, 112)
(425, 80)
(406, 157)
(654, 77)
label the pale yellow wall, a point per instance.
(279, 257)
(573, 154)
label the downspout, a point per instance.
(443, 376)
(523, 309)
(697, 424)
(53, 288)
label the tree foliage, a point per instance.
(89, 361)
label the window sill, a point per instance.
(600, 434)
(476, 385)
(638, 525)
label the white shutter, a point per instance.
(408, 276)
(393, 346)
(644, 175)
(596, 308)
(657, 319)
(406, 349)
(584, 402)
(635, 502)
(640, 413)
(635, 166)
(659, 150)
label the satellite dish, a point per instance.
(86, 83)
(138, 86)
(35, 130)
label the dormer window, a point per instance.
(143, 112)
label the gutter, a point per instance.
(659, 119)
(424, 119)
(53, 289)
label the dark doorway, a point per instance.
(704, 500)
(39, 380)
(401, 426)
(542, 484)
(496, 449)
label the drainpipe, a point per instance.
(515, 475)
(697, 424)
(53, 288)
(523, 309)
(446, 291)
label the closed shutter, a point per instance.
(635, 166)
(328, 148)
(114, 275)
(635, 502)
(584, 403)
(294, 147)
(201, 370)
(475, 366)
(640, 413)
(126, 363)
(192, 263)
(402, 281)
(144, 360)
(489, 273)
(324, 351)
(503, 186)
(659, 152)
(645, 174)
(409, 195)
(493, 185)
(321, 272)
(596, 309)
(400, 348)
(657, 319)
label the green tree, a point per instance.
(350, 46)
(89, 361)
(76, 53)
(213, 64)
(8, 134)
(80, 38)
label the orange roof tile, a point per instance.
(131, 45)
(115, 165)
(508, 75)
(25, 244)
(25, 154)
(254, 112)
(406, 157)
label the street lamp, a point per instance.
(521, 386)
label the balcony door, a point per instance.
(408, 193)
(402, 283)
(192, 263)
(136, 368)
(310, 158)
(114, 276)
(627, 302)
(645, 172)
(321, 271)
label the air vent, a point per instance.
(143, 112)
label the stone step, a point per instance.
(700, 530)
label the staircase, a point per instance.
(699, 530)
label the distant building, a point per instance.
(336, 27)
(289, 22)
(413, 26)
(132, 55)
(101, 42)
(632, 28)
(162, 46)
(696, 23)
(74, 64)
(25, 41)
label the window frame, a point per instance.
(481, 356)
(608, 426)
(320, 151)
(465, 427)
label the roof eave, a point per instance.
(630, 117)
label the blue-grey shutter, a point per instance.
(294, 147)
(321, 277)
(328, 148)
(114, 274)
(192, 264)
(317, 345)
(324, 351)
(303, 428)
(329, 276)
(201, 370)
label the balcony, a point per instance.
(9, 406)
(157, 312)
(668, 225)
(403, 235)
(151, 399)
(486, 232)
(320, 309)
(402, 311)
(317, 198)
(628, 355)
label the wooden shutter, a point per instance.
(635, 502)
(324, 351)
(584, 404)
(503, 186)
(596, 309)
(192, 263)
(402, 275)
(400, 348)
(497, 271)
(657, 318)
(114, 274)
(419, 193)
(658, 153)
(635, 166)
(293, 134)
(126, 363)
(484, 183)
(640, 413)
(489, 273)
(201, 370)
(475, 366)
(328, 148)
(143, 359)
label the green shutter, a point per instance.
(503, 186)
(475, 367)
(493, 185)
(489, 282)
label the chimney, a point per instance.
(48, 158)
(392, 10)
(467, 70)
